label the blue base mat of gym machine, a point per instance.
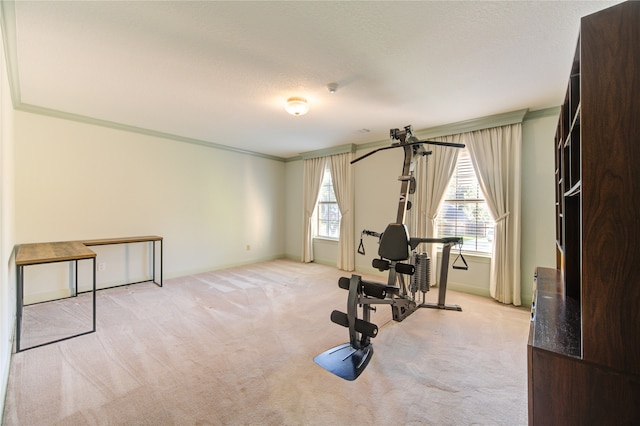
(345, 361)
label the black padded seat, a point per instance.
(394, 243)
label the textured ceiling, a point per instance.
(220, 72)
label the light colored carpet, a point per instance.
(236, 347)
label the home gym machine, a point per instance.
(398, 255)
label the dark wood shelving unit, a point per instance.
(584, 340)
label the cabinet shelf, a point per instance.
(584, 340)
(574, 191)
(576, 118)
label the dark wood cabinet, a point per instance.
(584, 341)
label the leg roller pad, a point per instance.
(370, 288)
(380, 264)
(405, 268)
(344, 283)
(378, 290)
(366, 328)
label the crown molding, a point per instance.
(472, 125)
(8, 24)
(540, 113)
(465, 126)
(133, 129)
(342, 149)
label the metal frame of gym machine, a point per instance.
(395, 249)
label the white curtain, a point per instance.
(495, 154)
(343, 187)
(432, 174)
(312, 179)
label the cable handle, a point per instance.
(464, 266)
(366, 232)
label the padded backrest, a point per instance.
(394, 243)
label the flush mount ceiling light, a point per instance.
(297, 106)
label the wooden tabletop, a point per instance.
(124, 240)
(32, 254)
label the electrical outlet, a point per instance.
(248, 247)
(102, 267)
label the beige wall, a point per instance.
(293, 185)
(214, 208)
(7, 270)
(538, 200)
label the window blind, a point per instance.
(464, 211)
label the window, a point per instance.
(464, 211)
(327, 211)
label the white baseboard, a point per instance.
(46, 296)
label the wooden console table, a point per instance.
(70, 251)
(127, 240)
(36, 254)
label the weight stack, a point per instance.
(422, 276)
